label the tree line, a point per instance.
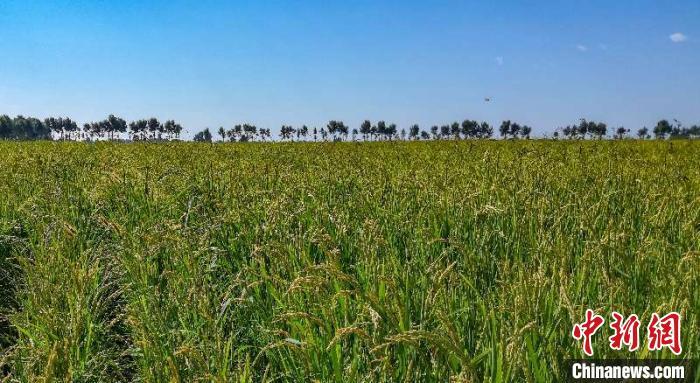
(151, 129)
(381, 131)
(63, 128)
(663, 129)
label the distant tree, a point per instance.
(470, 128)
(6, 128)
(286, 132)
(569, 131)
(598, 130)
(694, 131)
(391, 131)
(414, 131)
(303, 131)
(94, 130)
(236, 133)
(222, 133)
(455, 130)
(265, 134)
(515, 130)
(250, 131)
(337, 128)
(444, 131)
(424, 135)
(203, 136)
(365, 129)
(70, 128)
(114, 126)
(343, 130)
(332, 127)
(27, 128)
(373, 132)
(261, 134)
(582, 129)
(662, 129)
(525, 131)
(643, 133)
(380, 129)
(65, 128)
(55, 126)
(173, 129)
(139, 129)
(678, 131)
(154, 127)
(621, 132)
(355, 132)
(485, 130)
(434, 130)
(504, 129)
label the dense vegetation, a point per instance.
(388, 261)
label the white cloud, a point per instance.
(582, 48)
(499, 60)
(678, 37)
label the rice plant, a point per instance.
(436, 261)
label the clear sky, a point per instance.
(209, 63)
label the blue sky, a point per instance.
(210, 63)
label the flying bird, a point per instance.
(487, 99)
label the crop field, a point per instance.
(462, 261)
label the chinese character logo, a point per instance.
(665, 332)
(662, 332)
(625, 332)
(586, 330)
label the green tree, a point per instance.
(414, 131)
(5, 127)
(304, 131)
(381, 129)
(485, 130)
(470, 128)
(455, 130)
(504, 129)
(154, 127)
(203, 136)
(643, 133)
(444, 131)
(114, 126)
(138, 129)
(365, 129)
(621, 132)
(391, 131)
(286, 132)
(662, 129)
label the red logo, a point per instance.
(665, 332)
(586, 330)
(626, 332)
(661, 332)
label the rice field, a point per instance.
(462, 261)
